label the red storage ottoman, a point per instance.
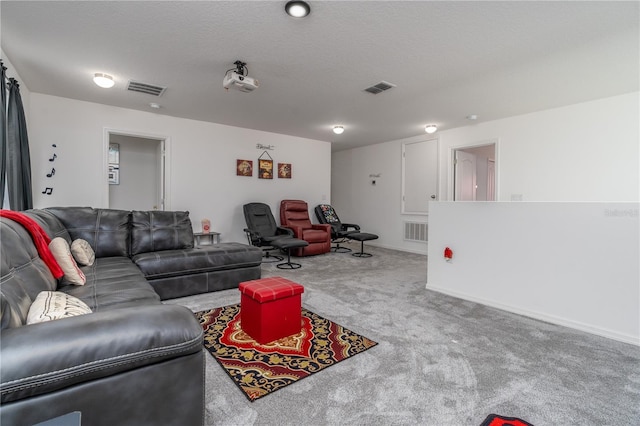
(270, 308)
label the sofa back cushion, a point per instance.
(22, 274)
(106, 230)
(160, 230)
(49, 223)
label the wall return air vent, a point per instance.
(380, 87)
(149, 89)
(416, 231)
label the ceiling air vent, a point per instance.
(149, 89)
(380, 87)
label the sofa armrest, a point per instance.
(321, 227)
(297, 230)
(346, 226)
(42, 358)
(284, 231)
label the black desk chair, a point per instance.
(262, 231)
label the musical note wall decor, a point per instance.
(49, 190)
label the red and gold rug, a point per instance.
(260, 369)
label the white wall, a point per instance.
(582, 152)
(573, 264)
(377, 209)
(201, 167)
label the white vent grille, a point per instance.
(415, 231)
(380, 87)
(149, 89)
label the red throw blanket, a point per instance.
(39, 237)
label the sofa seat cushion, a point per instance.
(113, 282)
(217, 257)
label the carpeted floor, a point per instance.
(439, 360)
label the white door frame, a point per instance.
(451, 159)
(107, 132)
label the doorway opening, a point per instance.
(136, 172)
(474, 173)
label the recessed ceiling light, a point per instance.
(103, 80)
(297, 9)
(472, 117)
(430, 128)
(338, 130)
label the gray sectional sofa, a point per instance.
(133, 360)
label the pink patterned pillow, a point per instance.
(61, 251)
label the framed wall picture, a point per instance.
(284, 170)
(265, 169)
(244, 168)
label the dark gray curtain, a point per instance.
(3, 131)
(18, 159)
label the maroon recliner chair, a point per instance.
(294, 214)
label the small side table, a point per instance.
(213, 237)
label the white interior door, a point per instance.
(465, 176)
(419, 176)
(491, 180)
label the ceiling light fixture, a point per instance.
(103, 80)
(338, 130)
(430, 128)
(297, 9)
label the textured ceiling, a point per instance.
(448, 59)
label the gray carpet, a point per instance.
(439, 361)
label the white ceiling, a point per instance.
(448, 59)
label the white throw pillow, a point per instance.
(61, 251)
(52, 305)
(82, 252)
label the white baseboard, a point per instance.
(423, 252)
(610, 334)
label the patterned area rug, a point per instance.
(497, 420)
(260, 369)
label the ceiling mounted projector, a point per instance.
(237, 79)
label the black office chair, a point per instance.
(262, 231)
(341, 232)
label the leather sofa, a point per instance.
(133, 360)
